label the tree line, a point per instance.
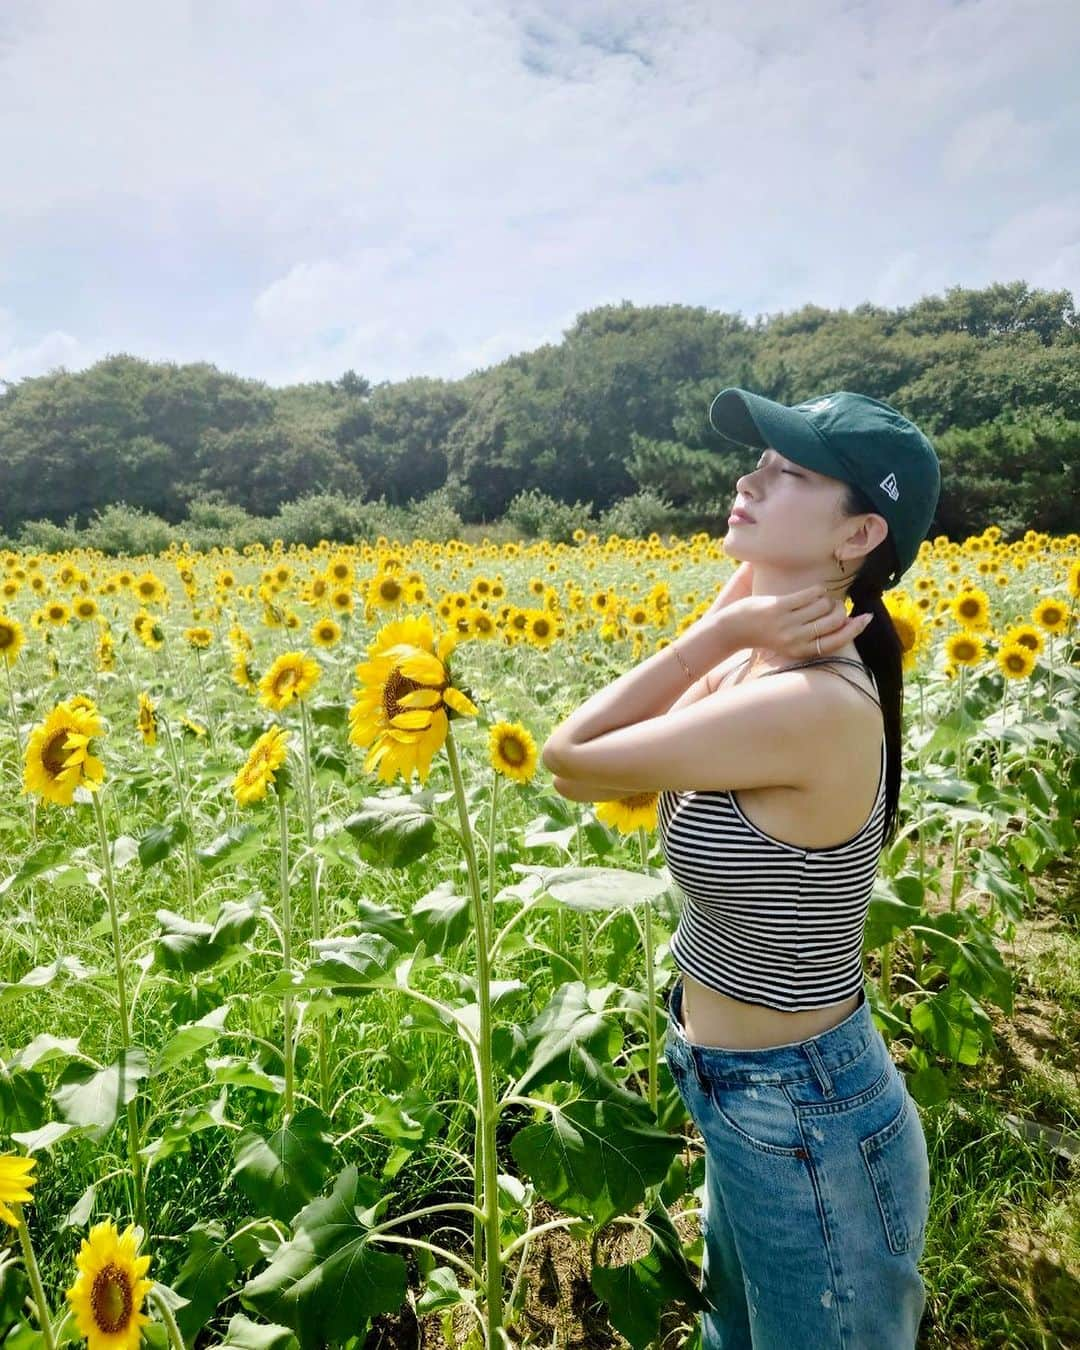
(609, 424)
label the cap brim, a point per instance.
(749, 419)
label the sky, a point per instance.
(293, 188)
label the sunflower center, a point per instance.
(513, 751)
(53, 754)
(285, 679)
(640, 800)
(7, 636)
(111, 1299)
(396, 687)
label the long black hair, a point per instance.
(879, 646)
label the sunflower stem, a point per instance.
(30, 802)
(286, 948)
(37, 1289)
(125, 1025)
(491, 850)
(650, 981)
(185, 816)
(487, 1158)
(205, 698)
(161, 1303)
(316, 903)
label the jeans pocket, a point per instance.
(760, 1114)
(896, 1158)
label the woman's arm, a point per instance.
(579, 790)
(650, 689)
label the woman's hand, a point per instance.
(790, 625)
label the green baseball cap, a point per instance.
(852, 437)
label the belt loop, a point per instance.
(818, 1065)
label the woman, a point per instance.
(817, 1177)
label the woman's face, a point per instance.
(795, 523)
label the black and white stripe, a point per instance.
(765, 921)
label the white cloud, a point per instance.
(283, 189)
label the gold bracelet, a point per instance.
(678, 657)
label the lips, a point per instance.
(739, 514)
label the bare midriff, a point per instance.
(712, 1019)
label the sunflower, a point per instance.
(147, 720)
(326, 632)
(512, 751)
(291, 676)
(57, 613)
(190, 728)
(342, 600)
(1050, 615)
(542, 629)
(11, 638)
(199, 637)
(15, 1183)
(242, 674)
(1016, 661)
(405, 690)
(385, 591)
(971, 607)
(628, 814)
(266, 756)
(58, 759)
(964, 649)
(107, 1296)
(105, 650)
(149, 588)
(86, 608)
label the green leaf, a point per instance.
(124, 850)
(188, 946)
(22, 1100)
(346, 965)
(44, 1048)
(176, 1137)
(954, 1024)
(589, 889)
(244, 1334)
(40, 976)
(238, 844)
(245, 1073)
(388, 923)
(569, 1022)
(929, 1086)
(637, 1293)
(441, 1290)
(888, 916)
(596, 1153)
(393, 831)
(48, 855)
(94, 1098)
(441, 918)
(191, 1038)
(281, 1172)
(204, 1279)
(157, 843)
(329, 1281)
(45, 1137)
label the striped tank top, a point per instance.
(765, 921)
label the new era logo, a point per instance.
(819, 406)
(891, 487)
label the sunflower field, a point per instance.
(326, 1021)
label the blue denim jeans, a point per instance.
(817, 1189)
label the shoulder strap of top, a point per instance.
(825, 661)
